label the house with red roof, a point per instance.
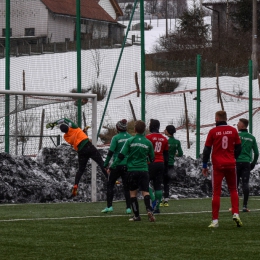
(50, 21)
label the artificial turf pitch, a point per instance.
(81, 231)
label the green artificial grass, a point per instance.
(80, 231)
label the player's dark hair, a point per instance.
(64, 128)
(140, 126)
(244, 121)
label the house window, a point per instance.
(4, 30)
(29, 32)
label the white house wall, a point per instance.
(25, 14)
(60, 28)
(107, 6)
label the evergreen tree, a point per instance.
(192, 27)
(242, 16)
(191, 33)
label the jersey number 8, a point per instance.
(224, 142)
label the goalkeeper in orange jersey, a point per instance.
(81, 143)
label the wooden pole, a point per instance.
(23, 89)
(84, 119)
(218, 89)
(259, 82)
(217, 75)
(132, 110)
(137, 84)
(41, 130)
(186, 121)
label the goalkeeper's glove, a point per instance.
(51, 125)
(75, 190)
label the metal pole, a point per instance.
(7, 76)
(78, 39)
(142, 61)
(254, 40)
(94, 142)
(117, 66)
(35, 93)
(198, 107)
(16, 125)
(250, 109)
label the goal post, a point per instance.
(29, 105)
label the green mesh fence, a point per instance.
(43, 57)
(29, 115)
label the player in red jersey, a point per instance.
(156, 168)
(226, 144)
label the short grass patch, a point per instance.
(80, 231)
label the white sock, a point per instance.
(215, 221)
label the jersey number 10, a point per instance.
(158, 147)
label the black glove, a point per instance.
(51, 125)
(252, 166)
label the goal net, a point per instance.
(29, 112)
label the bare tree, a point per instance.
(174, 8)
(152, 6)
(97, 60)
(181, 6)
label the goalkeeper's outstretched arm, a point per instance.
(62, 121)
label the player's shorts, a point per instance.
(156, 171)
(138, 180)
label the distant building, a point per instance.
(221, 21)
(55, 20)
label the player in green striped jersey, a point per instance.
(116, 145)
(137, 149)
(245, 162)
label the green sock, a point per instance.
(151, 194)
(158, 196)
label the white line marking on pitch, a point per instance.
(108, 216)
